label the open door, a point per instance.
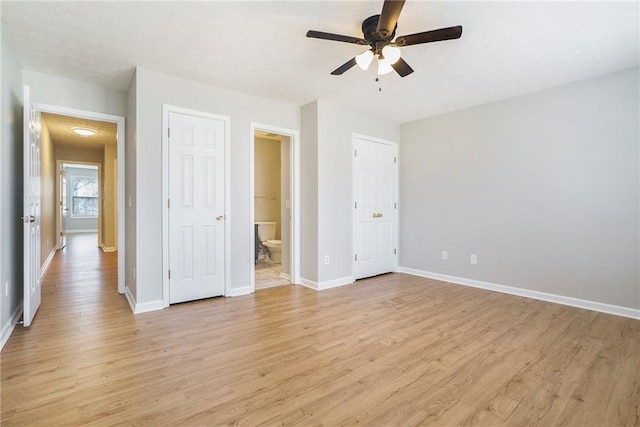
(31, 218)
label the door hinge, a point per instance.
(168, 203)
(395, 252)
(356, 205)
(168, 132)
(356, 258)
(61, 233)
(355, 153)
(395, 160)
(169, 273)
(395, 206)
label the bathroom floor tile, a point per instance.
(268, 275)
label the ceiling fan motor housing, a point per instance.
(371, 35)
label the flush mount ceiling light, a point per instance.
(84, 131)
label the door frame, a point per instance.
(119, 121)
(59, 164)
(294, 190)
(396, 189)
(166, 109)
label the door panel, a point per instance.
(31, 216)
(196, 213)
(375, 217)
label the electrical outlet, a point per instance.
(6, 288)
(474, 259)
(445, 255)
(326, 259)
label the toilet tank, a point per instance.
(266, 230)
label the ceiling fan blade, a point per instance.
(389, 17)
(344, 67)
(448, 33)
(402, 68)
(335, 37)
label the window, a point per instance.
(84, 196)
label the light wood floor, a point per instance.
(394, 350)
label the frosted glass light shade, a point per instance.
(384, 67)
(391, 54)
(364, 59)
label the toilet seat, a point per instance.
(273, 242)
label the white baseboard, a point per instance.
(80, 231)
(130, 299)
(309, 284)
(108, 248)
(236, 292)
(321, 286)
(285, 276)
(7, 329)
(542, 296)
(47, 261)
(143, 307)
(335, 283)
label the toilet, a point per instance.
(267, 235)
(274, 248)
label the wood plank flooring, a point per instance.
(393, 350)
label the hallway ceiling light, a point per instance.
(84, 131)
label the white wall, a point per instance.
(130, 233)
(327, 187)
(64, 92)
(285, 212)
(336, 125)
(10, 185)
(153, 90)
(544, 188)
(309, 192)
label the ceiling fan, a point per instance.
(379, 31)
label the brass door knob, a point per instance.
(220, 217)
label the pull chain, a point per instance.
(379, 81)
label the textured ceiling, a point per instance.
(260, 48)
(62, 135)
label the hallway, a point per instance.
(81, 277)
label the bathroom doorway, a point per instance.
(273, 207)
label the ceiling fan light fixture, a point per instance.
(384, 67)
(364, 59)
(84, 131)
(391, 53)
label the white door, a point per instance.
(196, 207)
(64, 210)
(375, 208)
(31, 217)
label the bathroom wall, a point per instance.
(267, 191)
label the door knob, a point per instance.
(220, 217)
(377, 215)
(31, 218)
